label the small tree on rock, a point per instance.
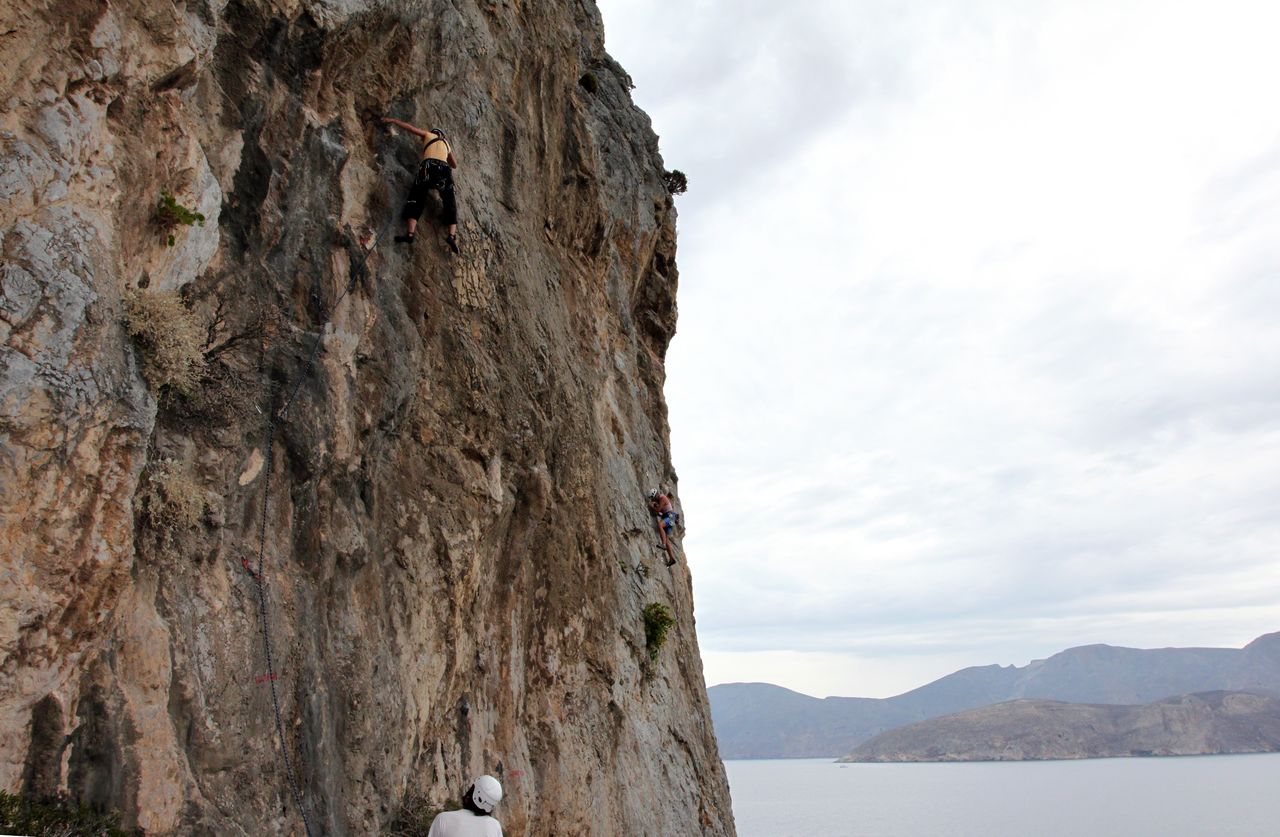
(675, 181)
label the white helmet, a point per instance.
(653, 495)
(486, 793)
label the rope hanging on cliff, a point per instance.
(259, 574)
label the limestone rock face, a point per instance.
(457, 551)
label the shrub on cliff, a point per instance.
(55, 817)
(170, 215)
(170, 501)
(415, 816)
(171, 341)
(657, 621)
(676, 181)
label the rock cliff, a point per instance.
(457, 553)
(1020, 730)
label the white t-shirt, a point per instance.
(464, 824)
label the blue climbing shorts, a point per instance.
(669, 521)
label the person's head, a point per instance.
(485, 793)
(438, 132)
(653, 495)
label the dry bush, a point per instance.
(171, 340)
(171, 502)
(414, 817)
(56, 817)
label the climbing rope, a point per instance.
(259, 574)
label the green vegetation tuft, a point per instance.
(171, 340)
(55, 817)
(657, 621)
(675, 181)
(170, 215)
(589, 83)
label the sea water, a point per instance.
(1133, 797)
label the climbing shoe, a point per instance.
(405, 239)
(452, 241)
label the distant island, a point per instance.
(1019, 730)
(763, 721)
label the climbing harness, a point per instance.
(439, 137)
(259, 574)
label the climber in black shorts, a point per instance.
(435, 171)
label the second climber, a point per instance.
(661, 507)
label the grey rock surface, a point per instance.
(457, 550)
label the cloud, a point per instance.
(977, 351)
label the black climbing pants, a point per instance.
(432, 174)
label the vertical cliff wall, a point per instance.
(457, 552)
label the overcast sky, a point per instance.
(979, 343)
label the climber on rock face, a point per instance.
(474, 819)
(660, 506)
(434, 172)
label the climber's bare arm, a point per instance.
(413, 129)
(453, 161)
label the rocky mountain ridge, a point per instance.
(759, 720)
(457, 556)
(1211, 723)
